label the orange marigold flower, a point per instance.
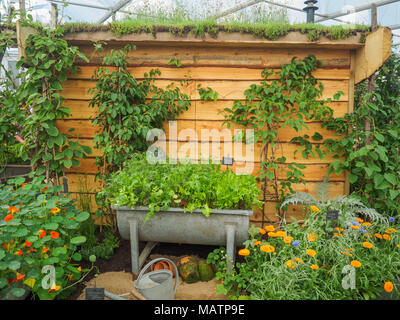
(54, 234)
(391, 230)
(270, 228)
(368, 245)
(299, 260)
(360, 220)
(272, 234)
(355, 227)
(287, 239)
(244, 252)
(290, 264)
(257, 243)
(386, 237)
(262, 231)
(314, 209)
(388, 286)
(311, 252)
(42, 233)
(339, 229)
(267, 248)
(379, 236)
(8, 218)
(311, 237)
(356, 264)
(20, 276)
(281, 234)
(314, 267)
(367, 224)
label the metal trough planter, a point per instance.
(222, 227)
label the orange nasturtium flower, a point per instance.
(13, 210)
(8, 218)
(244, 252)
(54, 234)
(19, 252)
(55, 210)
(45, 188)
(388, 286)
(314, 267)
(270, 228)
(311, 237)
(45, 250)
(379, 236)
(20, 276)
(314, 209)
(54, 288)
(267, 248)
(27, 243)
(311, 252)
(42, 233)
(368, 245)
(386, 237)
(356, 264)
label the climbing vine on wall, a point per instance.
(290, 97)
(47, 60)
(128, 110)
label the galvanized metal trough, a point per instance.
(222, 227)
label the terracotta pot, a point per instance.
(163, 265)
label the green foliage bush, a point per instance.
(188, 185)
(314, 260)
(38, 228)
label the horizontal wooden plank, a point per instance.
(82, 128)
(271, 214)
(161, 55)
(78, 182)
(208, 73)
(189, 130)
(199, 151)
(312, 172)
(80, 110)
(227, 90)
(198, 110)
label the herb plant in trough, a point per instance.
(188, 185)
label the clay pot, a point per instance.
(163, 265)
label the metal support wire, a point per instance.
(113, 10)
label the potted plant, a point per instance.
(181, 203)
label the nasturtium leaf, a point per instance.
(51, 226)
(14, 265)
(77, 257)
(3, 283)
(78, 240)
(18, 292)
(2, 254)
(82, 216)
(59, 250)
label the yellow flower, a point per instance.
(388, 286)
(391, 230)
(314, 209)
(270, 228)
(244, 252)
(367, 224)
(281, 234)
(311, 237)
(314, 267)
(291, 264)
(398, 245)
(288, 239)
(356, 264)
(355, 227)
(79, 268)
(272, 234)
(386, 237)
(311, 252)
(55, 210)
(299, 260)
(267, 248)
(368, 245)
(339, 229)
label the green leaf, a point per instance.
(390, 178)
(14, 265)
(18, 292)
(353, 178)
(379, 137)
(77, 257)
(78, 240)
(68, 163)
(82, 216)
(52, 131)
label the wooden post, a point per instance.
(372, 78)
(22, 9)
(53, 15)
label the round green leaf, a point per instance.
(77, 257)
(18, 292)
(82, 216)
(92, 258)
(78, 240)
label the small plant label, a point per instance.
(332, 215)
(227, 161)
(94, 293)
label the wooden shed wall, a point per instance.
(227, 70)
